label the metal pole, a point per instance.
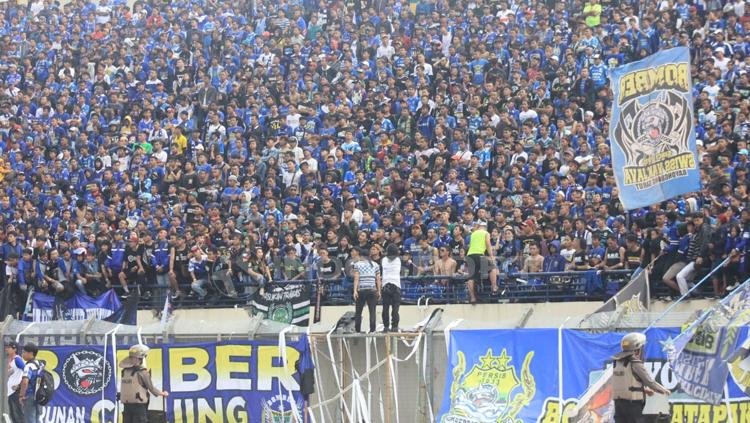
(343, 378)
(730, 418)
(560, 391)
(428, 371)
(4, 369)
(388, 387)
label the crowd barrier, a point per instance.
(513, 287)
(589, 285)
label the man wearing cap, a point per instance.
(598, 71)
(136, 385)
(15, 373)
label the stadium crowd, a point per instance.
(142, 143)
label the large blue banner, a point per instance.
(499, 381)
(78, 307)
(243, 381)
(653, 143)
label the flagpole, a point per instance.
(685, 295)
(560, 392)
(730, 419)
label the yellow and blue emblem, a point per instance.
(491, 391)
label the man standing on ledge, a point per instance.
(136, 385)
(479, 265)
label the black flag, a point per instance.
(7, 303)
(289, 303)
(127, 314)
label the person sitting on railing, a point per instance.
(445, 265)
(614, 255)
(51, 276)
(132, 267)
(567, 251)
(731, 273)
(198, 268)
(291, 266)
(79, 279)
(580, 260)
(554, 262)
(424, 257)
(685, 232)
(534, 263)
(697, 255)
(178, 264)
(634, 253)
(253, 268)
(116, 258)
(509, 251)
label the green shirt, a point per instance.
(478, 243)
(593, 20)
(292, 268)
(146, 147)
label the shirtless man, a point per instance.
(445, 265)
(534, 262)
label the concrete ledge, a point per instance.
(235, 322)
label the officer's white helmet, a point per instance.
(138, 351)
(633, 341)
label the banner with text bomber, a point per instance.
(239, 381)
(654, 156)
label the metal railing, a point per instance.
(514, 287)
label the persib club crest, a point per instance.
(86, 372)
(491, 390)
(278, 409)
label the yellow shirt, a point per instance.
(593, 20)
(477, 243)
(181, 143)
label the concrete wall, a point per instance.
(235, 322)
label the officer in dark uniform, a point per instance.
(136, 385)
(630, 380)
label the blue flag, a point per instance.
(700, 355)
(653, 142)
(78, 307)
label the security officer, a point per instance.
(630, 380)
(136, 385)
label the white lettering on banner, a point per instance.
(660, 371)
(200, 410)
(63, 415)
(227, 375)
(237, 410)
(96, 412)
(44, 315)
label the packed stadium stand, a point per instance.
(204, 149)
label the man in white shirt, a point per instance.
(103, 12)
(290, 174)
(310, 160)
(15, 373)
(385, 49)
(719, 60)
